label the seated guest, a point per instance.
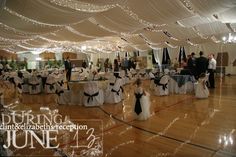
(201, 88)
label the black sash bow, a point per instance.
(117, 92)
(34, 86)
(90, 97)
(138, 108)
(59, 93)
(157, 82)
(142, 74)
(51, 86)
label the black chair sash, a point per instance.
(134, 74)
(60, 82)
(59, 92)
(122, 89)
(112, 84)
(33, 85)
(157, 82)
(138, 108)
(117, 92)
(142, 74)
(90, 97)
(11, 79)
(20, 85)
(51, 86)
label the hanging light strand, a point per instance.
(82, 6)
(136, 17)
(35, 22)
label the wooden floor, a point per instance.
(180, 125)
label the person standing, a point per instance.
(211, 70)
(142, 102)
(201, 64)
(106, 65)
(68, 68)
(1, 68)
(191, 64)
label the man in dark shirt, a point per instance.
(191, 64)
(68, 68)
(201, 64)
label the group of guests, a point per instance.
(202, 65)
(199, 67)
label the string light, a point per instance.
(188, 5)
(189, 42)
(230, 39)
(94, 21)
(213, 38)
(135, 17)
(82, 6)
(8, 28)
(198, 33)
(31, 20)
(170, 45)
(77, 32)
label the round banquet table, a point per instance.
(181, 84)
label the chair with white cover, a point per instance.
(201, 90)
(151, 77)
(142, 74)
(93, 96)
(123, 77)
(133, 73)
(114, 93)
(161, 85)
(19, 83)
(50, 86)
(64, 95)
(34, 85)
(84, 73)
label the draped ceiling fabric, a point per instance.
(113, 25)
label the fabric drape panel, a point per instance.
(46, 12)
(182, 55)
(165, 57)
(157, 55)
(154, 61)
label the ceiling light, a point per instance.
(38, 59)
(83, 47)
(224, 38)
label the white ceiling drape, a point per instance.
(125, 24)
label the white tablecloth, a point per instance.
(181, 84)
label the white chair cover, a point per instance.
(19, 83)
(50, 86)
(93, 96)
(114, 93)
(162, 89)
(34, 85)
(201, 90)
(64, 96)
(142, 74)
(151, 77)
(134, 73)
(84, 73)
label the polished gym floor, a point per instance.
(180, 125)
